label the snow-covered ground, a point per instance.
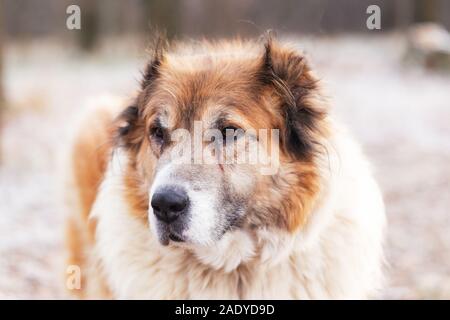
(401, 114)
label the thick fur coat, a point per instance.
(312, 230)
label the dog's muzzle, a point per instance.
(170, 205)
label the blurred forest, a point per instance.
(27, 19)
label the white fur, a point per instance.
(201, 225)
(337, 254)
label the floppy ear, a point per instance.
(287, 72)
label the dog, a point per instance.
(144, 225)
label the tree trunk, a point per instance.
(426, 10)
(89, 24)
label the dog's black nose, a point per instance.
(169, 203)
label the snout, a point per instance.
(170, 205)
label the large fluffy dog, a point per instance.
(149, 226)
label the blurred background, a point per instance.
(391, 86)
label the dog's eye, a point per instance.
(157, 133)
(230, 132)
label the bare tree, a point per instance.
(426, 10)
(90, 24)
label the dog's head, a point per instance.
(197, 107)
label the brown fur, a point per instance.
(271, 88)
(275, 90)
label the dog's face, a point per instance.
(195, 112)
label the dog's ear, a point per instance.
(158, 50)
(126, 125)
(287, 72)
(130, 119)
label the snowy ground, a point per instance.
(400, 114)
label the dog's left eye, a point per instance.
(229, 131)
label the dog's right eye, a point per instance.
(157, 134)
(229, 131)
